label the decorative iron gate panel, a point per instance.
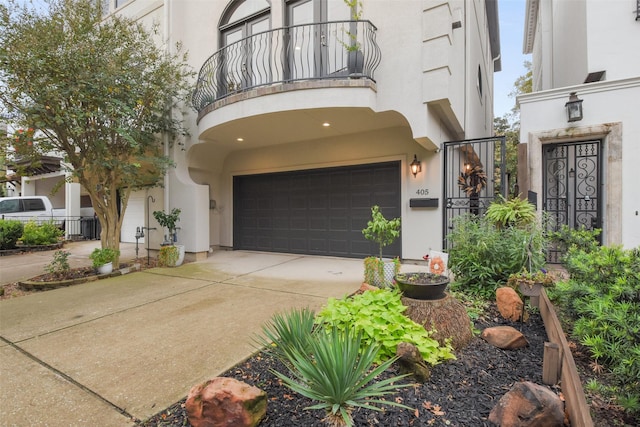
(475, 172)
(572, 176)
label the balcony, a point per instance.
(337, 50)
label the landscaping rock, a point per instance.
(412, 362)
(504, 337)
(526, 405)
(509, 303)
(225, 402)
(367, 287)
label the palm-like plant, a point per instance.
(339, 375)
(286, 332)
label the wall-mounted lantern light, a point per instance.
(574, 108)
(415, 166)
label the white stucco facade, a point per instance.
(595, 61)
(434, 83)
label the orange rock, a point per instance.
(225, 402)
(527, 405)
(504, 337)
(509, 303)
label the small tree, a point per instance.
(100, 92)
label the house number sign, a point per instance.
(422, 192)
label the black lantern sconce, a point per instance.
(574, 108)
(415, 166)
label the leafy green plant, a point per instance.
(603, 298)
(60, 264)
(530, 278)
(287, 332)
(168, 256)
(10, 232)
(483, 256)
(514, 212)
(339, 375)
(568, 238)
(102, 256)
(168, 221)
(46, 233)
(381, 230)
(378, 315)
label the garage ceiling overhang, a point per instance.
(299, 125)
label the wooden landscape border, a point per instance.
(575, 401)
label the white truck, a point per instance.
(28, 207)
(40, 209)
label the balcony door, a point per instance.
(310, 38)
(243, 28)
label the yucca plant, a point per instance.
(288, 331)
(339, 375)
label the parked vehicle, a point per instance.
(25, 207)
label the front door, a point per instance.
(572, 179)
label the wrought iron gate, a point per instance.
(475, 172)
(572, 176)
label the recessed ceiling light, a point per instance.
(239, 139)
(326, 124)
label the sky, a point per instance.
(511, 16)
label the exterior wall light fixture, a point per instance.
(574, 108)
(415, 166)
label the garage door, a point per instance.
(317, 212)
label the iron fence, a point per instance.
(326, 50)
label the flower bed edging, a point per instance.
(575, 400)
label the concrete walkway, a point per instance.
(108, 352)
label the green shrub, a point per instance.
(603, 296)
(10, 232)
(339, 375)
(483, 256)
(378, 315)
(60, 264)
(568, 238)
(46, 233)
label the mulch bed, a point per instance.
(460, 392)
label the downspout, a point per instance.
(167, 43)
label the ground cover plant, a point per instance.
(378, 314)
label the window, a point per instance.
(33, 205)
(242, 20)
(10, 206)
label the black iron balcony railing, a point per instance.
(327, 50)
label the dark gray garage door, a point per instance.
(318, 212)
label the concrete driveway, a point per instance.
(108, 352)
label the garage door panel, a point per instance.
(318, 212)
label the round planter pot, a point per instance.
(423, 286)
(105, 268)
(180, 254)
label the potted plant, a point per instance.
(378, 271)
(168, 256)
(530, 283)
(103, 258)
(169, 222)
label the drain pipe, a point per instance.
(167, 44)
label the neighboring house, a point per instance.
(306, 118)
(582, 170)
